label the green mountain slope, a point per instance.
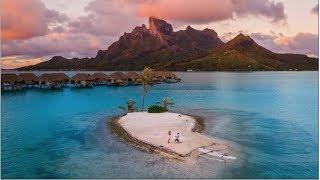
(243, 54)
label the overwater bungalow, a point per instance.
(82, 80)
(118, 79)
(165, 76)
(53, 80)
(170, 77)
(10, 82)
(29, 80)
(133, 78)
(156, 77)
(101, 78)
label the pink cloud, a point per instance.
(11, 62)
(204, 11)
(26, 19)
(301, 43)
(111, 17)
(189, 11)
(42, 34)
(64, 44)
(265, 8)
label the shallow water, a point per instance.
(271, 118)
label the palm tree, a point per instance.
(146, 82)
(129, 107)
(166, 102)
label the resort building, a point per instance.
(10, 82)
(133, 78)
(101, 78)
(53, 80)
(170, 77)
(58, 80)
(29, 80)
(118, 79)
(165, 76)
(156, 77)
(82, 80)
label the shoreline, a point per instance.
(123, 134)
(127, 138)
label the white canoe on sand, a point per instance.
(216, 154)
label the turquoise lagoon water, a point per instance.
(271, 118)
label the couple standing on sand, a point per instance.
(176, 137)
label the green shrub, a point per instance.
(156, 109)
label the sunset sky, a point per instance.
(33, 31)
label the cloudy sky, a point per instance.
(33, 31)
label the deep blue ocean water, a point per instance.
(271, 118)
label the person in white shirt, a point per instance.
(177, 138)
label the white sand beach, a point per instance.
(152, 128)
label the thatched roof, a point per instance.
(157, 74)
(163, 74)
(133, 75)
(10, 78)
(54, 77)
(82, 77)
(100, 76)
(29, 77)
(118, 75)
(169, 74)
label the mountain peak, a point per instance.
(211, 32)
(189, 28)
(241, 41)
(140, 29)
(242, 37)
(158, 26)
(57, 58)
